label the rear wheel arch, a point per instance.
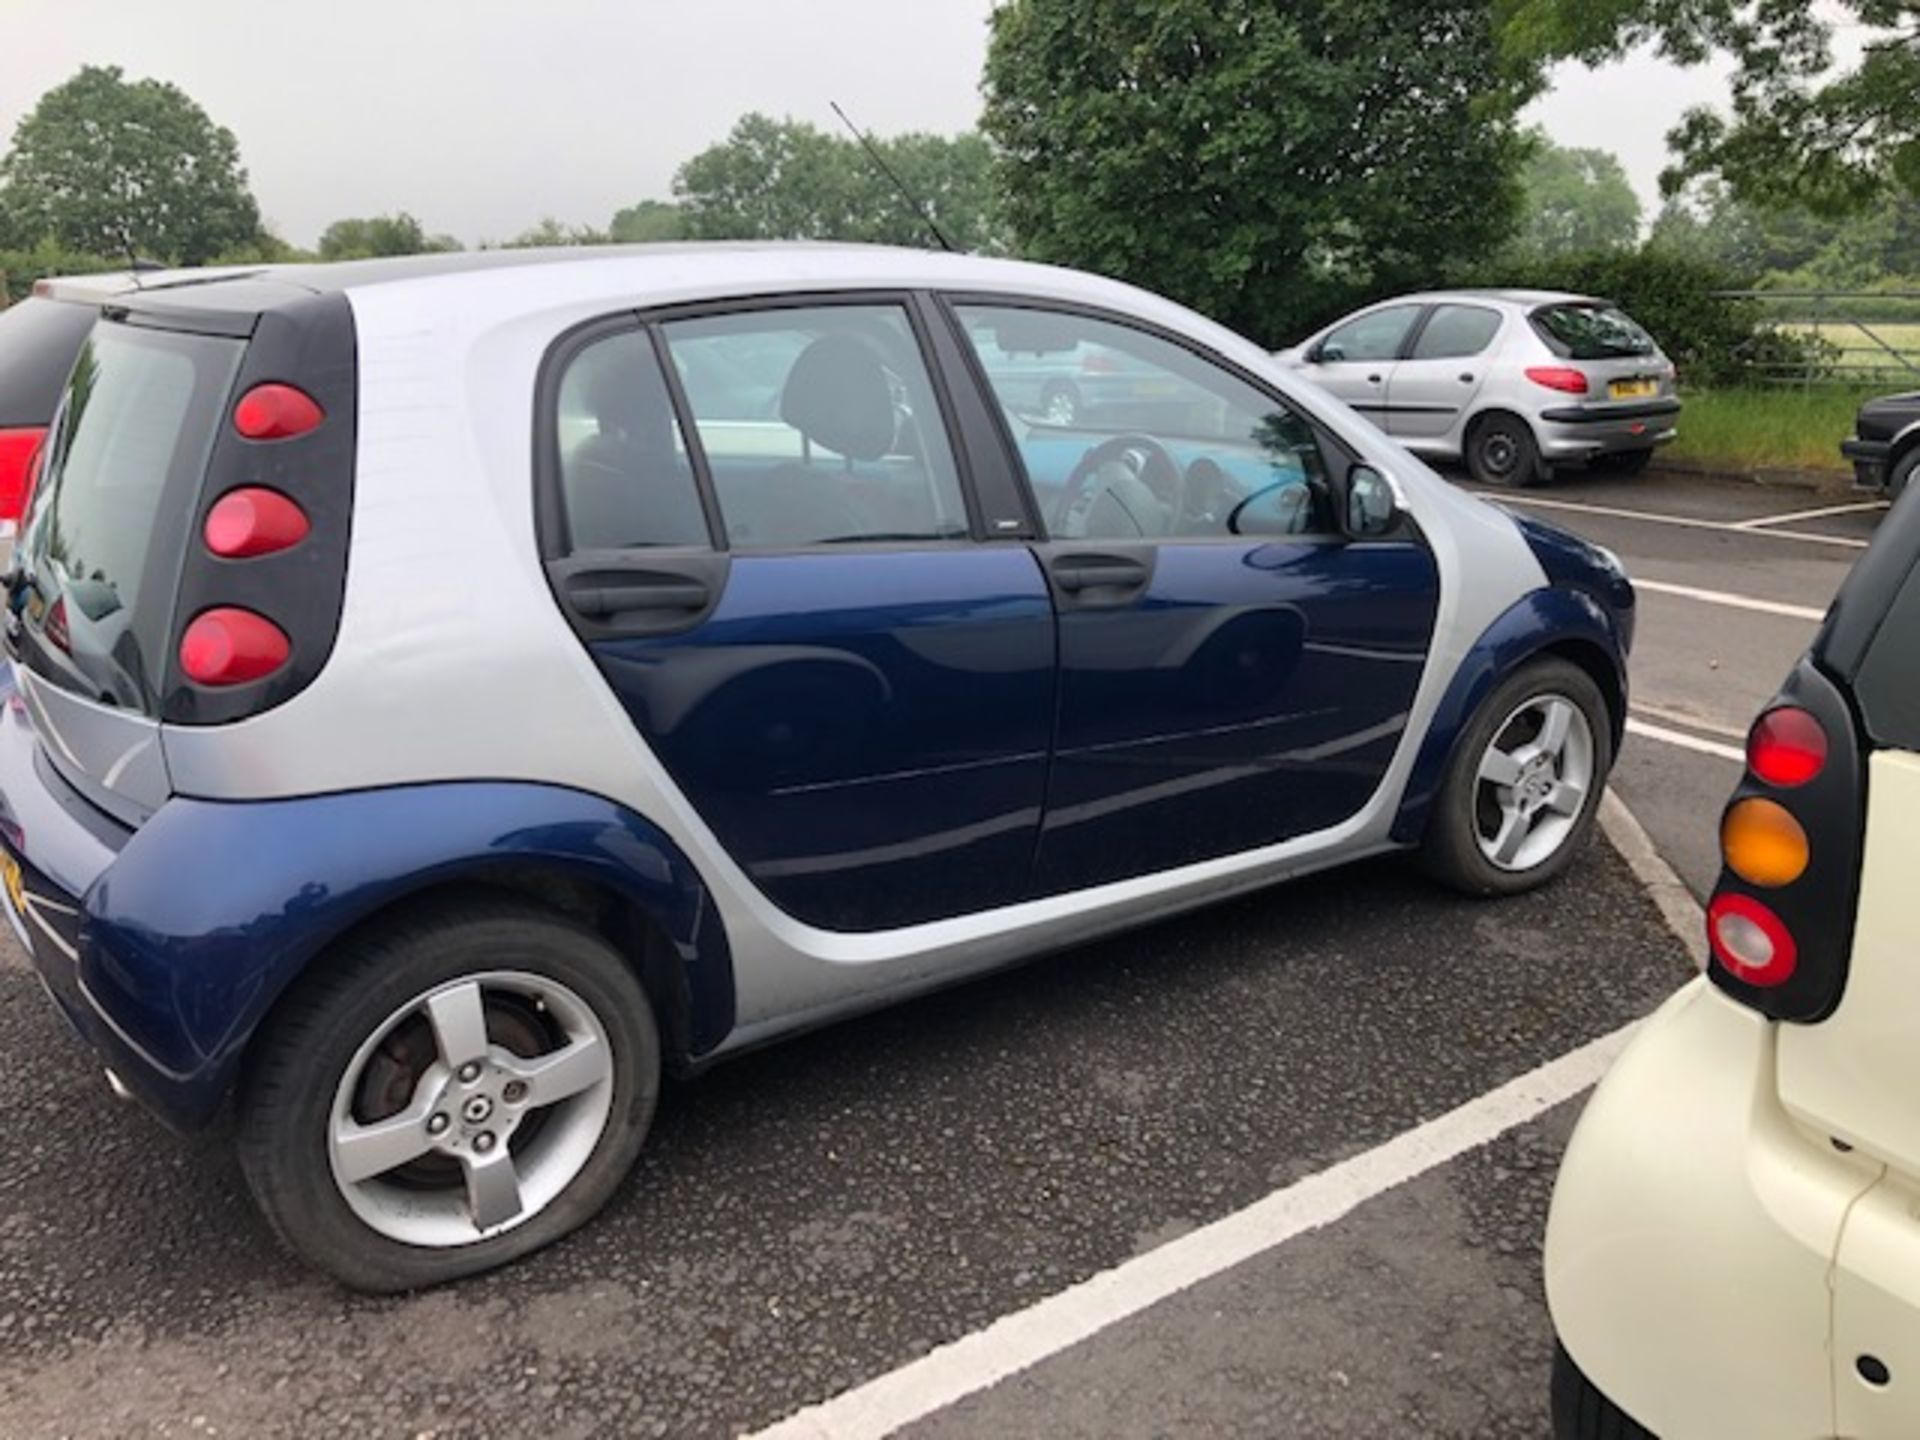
(1476, 426)
(632, 931)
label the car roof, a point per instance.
(628, 271)
(1527, 299)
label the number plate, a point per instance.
(1632, 389)
(10, 877)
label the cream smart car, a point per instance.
(1734, 1244)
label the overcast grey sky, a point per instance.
(481, 116)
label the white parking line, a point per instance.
(1510, 497)
(1026, 1337)
(1685, 742)
(1680, 717)
(1738, 602)
(1858, 507)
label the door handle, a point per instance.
(1466, 377)
(1373, 379)
(1074, 573)
(599, 600)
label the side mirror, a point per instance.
(1370, 509)
(1325, 354)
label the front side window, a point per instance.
(1161, 442)
(819, 425)
(1455, 332)
(625, 478)
(1377, 335)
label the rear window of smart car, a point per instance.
(105, 538)
(1590, 332)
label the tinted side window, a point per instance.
(1456, 331)
(1161, 443)
(1887, 686)
(819, 425)
(625, 477)
(1374, 336)
(38, 340)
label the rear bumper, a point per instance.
(1567, 432)
(1869, 459)
(1693, 1231)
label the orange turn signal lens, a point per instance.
(1764, 844)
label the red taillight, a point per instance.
(1563, 378)
(1787, 747)
(229, 646)
(254, 521)
(1751, 941)
(276, 412)
(18, 448)
(55, 628)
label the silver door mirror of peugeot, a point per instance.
(1372, 507)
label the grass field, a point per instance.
(1773, 428)
(1860, 352)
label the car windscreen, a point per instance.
(38, 340)
(101, 551)
(1590, 332)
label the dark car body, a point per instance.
(1885, 445)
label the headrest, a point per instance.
(838, 397)
(629, 403)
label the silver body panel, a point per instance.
(453, 660)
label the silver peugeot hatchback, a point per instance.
(1512, 382)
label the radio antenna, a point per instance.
(921, 212)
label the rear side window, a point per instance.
(104, 543)
(1590, 332)
(625, 475)
(1887, 686)
(1454, 332)
(819, 426)
(38, 340)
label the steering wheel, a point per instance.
(1138, 474)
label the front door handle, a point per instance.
(1373, 379)
(1466, 377)
(1075, 573)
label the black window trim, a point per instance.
(1337, 450)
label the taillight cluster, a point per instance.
(228, 644)
(1779, 920)
(1564, 378)
(20, 451)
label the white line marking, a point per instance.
(1854, 509)
(1692, 722)
(1725, 597)
(1508, 497)
(1685, 742)
(1026, 1337)
(1667, 890)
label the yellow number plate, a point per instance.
(10, 877)
(1631, 389)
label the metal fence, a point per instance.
(1865, 338)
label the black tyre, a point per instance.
(1501, 451)
(1060, 403)
(1902, 472)
(1581, 1412)
(1621, 462)
(1523, 783)
(448, 1093)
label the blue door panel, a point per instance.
(1255, 692)
(866, 732)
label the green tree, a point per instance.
(1576, 200)
(551, 232)
(1265, 163)
(788, 180)
(1801, 131)
(648, 220)
(368, 237)
(102, 165)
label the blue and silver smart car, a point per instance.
(447, 693)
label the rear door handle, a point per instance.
(598, 601)
(1466, 377)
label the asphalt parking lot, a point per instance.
(1245, 1111)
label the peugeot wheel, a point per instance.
(448, 1094)
(1501, 451)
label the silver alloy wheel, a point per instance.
(1533, 782)
(519, 1128)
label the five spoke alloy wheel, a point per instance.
(509, 1130)
(1532, 783)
